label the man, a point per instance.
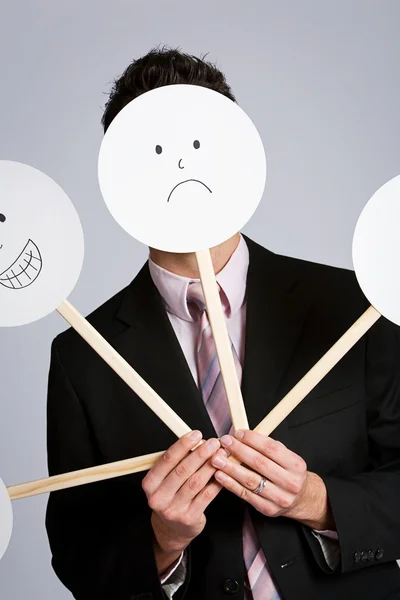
(311, 513)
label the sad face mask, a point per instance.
(182, 168)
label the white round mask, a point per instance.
(376, 250)
(6, 518)
(41, 244)
(182, 168)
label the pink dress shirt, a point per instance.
(232, 279)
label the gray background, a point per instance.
(321, 81)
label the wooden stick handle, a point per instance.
(318, 371)
(90, 475)
(123, 369)
(221, 338)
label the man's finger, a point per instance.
(183, 471)
(186, 471)
(205, 497)
(169, 460)
(272, 449)
(257, 461)
(251, 480)
(195, 483)
(266, 507)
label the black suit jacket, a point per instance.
(347, 430)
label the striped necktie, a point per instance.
(259, 584)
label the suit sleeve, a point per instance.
(366, 506)
(100, 534)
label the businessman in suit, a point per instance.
(312, 512)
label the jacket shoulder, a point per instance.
(322, 281)
(102, 319)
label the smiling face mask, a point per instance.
(25, 269)
(182, 168)
(41, 244)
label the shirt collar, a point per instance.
(232, 280)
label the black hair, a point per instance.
(162, 67)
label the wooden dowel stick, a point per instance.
(123, 369)
(83, 476)
(143, 463)
(318, 371)
(221, 338)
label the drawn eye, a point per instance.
(196, 144)
(158, 149)
(2, 218)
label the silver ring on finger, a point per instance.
(261, 486)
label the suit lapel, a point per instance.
(277, 306)
(150, 345)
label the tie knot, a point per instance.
(195, 299)
(196, 302)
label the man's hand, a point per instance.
(290, 490)
(179, 488)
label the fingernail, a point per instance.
(226, 440)
(213, 444)
(218, 461)
(221, 477)
(195, 436)
(239, 434)
(200, 443)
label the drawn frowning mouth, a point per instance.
(186, 181)
(24, 270)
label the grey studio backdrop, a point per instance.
(320, 79)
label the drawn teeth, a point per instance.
(24, 270)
